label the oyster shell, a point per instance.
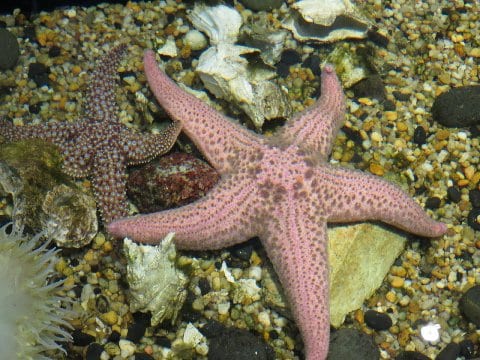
(156, 285)
(326, 21)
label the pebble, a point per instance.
(449, 352)
(81, 339)
(470, 305)
(195, 39)
(474, 197)
(454, 194)
(38, 72)
(94, 351)
(458, 107)
(170, 181)
(127, 348)
(370, 87)
(411, 355)
(473, 219)
(352, 344)
(235, 344)
(377, 320)
(10, 50)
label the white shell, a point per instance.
(227, 75)
(326, 21)
(156, 285)
(169, 48)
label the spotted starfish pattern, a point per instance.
(281, 189)
(98, 145)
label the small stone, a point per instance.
(449, 352)
(81, 339)
(397, 282)
(454, 194)
(196, 40)
(474, 196)
(94, 351)
(377, 320)
(473, 219)
(38, 72)
(127, 348)
(10, 50)
(432, 203)
(419, 135)
(411, 355)
(470, 305)
(458, 107)
(290, 57)
(110, 317)
(352, 344)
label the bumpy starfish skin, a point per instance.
(282, 190)
(99, 146)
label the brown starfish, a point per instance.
(98, 145)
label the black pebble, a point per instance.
(372, 87)
(9, 49)
(454, 194)
(242, 251)
(474, 196)
(163, 341)
(432, 203)
(467, 348)
(283, 70)
(54, 51)
(401, 96)
(352, 344)
(114, 337)
(204, 286)
(377, 320)
(313, 63)
(39, 74)
(419, 135)
(473, 219)
(411, 355)
(458, 107)
(143, 356)
(81, 339)
(94, 351)
(34, 108)
(449, 352)
(470, 305)
(235, 344)
(290, 57)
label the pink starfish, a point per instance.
(281, 189)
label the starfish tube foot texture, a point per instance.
(281, 189)
(98, 145)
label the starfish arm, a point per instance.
(351, 195)
(218, 137)
(109, 180)
(296, 245)
(315, 128)
(222, 218)
(100, 101)
(77, 164)
(142, 147)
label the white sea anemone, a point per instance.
(32, 320)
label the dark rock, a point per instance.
(377, 320)
(10, 51)
(473, 219)
(454, 194)
(470, 305)
(411, 355)
(283, 70)
(290, 57)
(170, 181)
(34, 108)
(377, 38)
(142, 356)
(474, 196)
(114, 337)
(235, 344)
(401, 96)
(419, 135)
(371, 87)
(81, 339)
(138, 328)
(388, 105)
(449, 352)
(94, 351)
(54, 51)
(432, 203)
(264, 5)
(204, 286)
(347, 344)
(313, 63)
(467, 348)
(38, 72)
(458, 107)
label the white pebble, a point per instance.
(196, 40)
(127, 348)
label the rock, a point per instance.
(155, 284)
(235, 344)
(10, 51)
(347, 344)
(449, 352)
(470, 305)
(458, 107)
(44, 198)
(264, 5)
(377, 320)
(411, 355)
(38, 72)
(473, 219)
(360, 256)
(372, 87)
(170, 181)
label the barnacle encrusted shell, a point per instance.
(32, 319)
(228, 75)
(71, 216)
(156, 285)
(326, 21)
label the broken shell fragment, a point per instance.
(326, 21)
